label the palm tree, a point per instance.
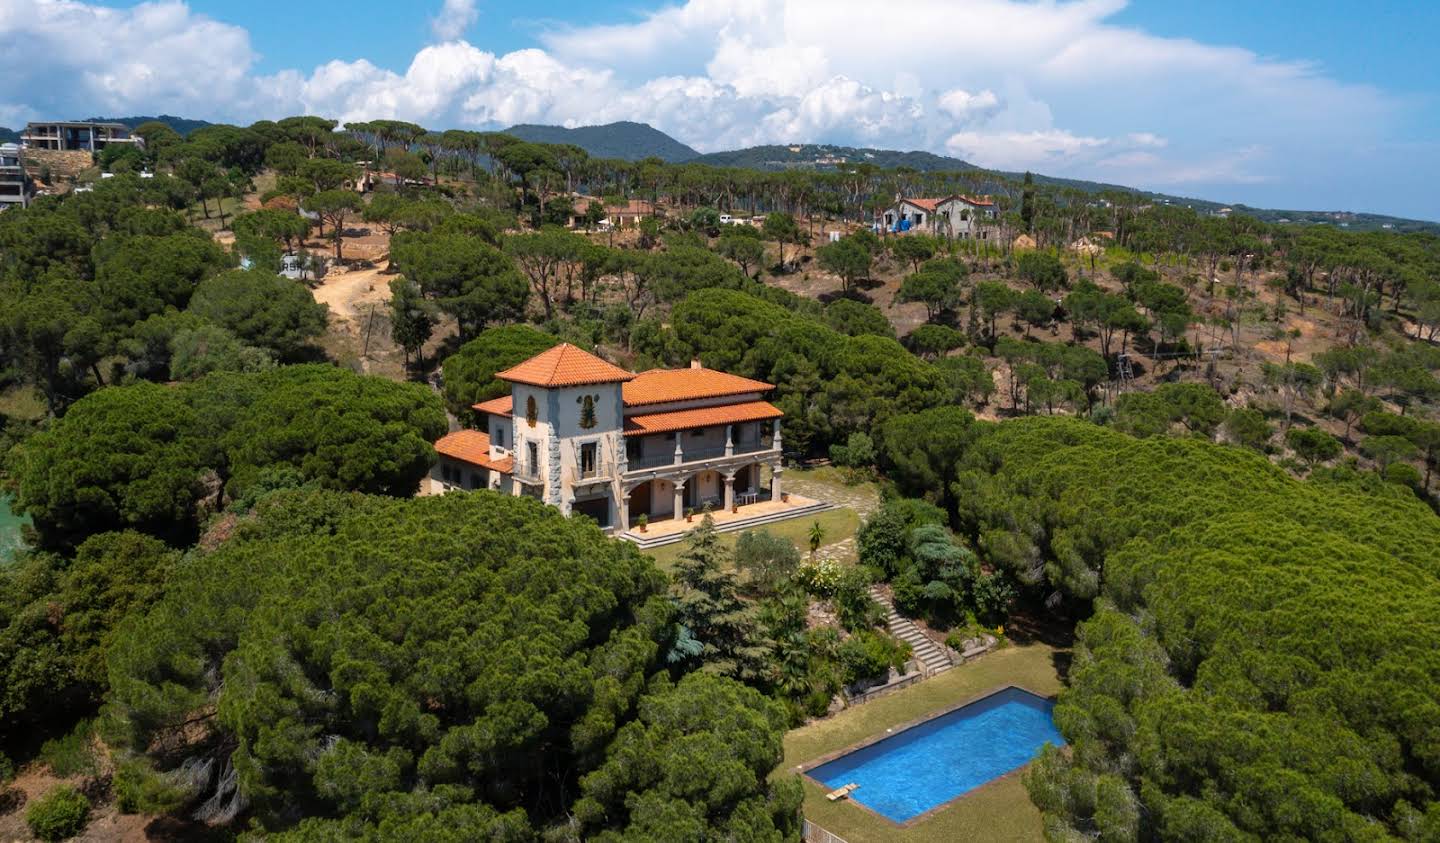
(817, 534)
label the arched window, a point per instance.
(532, 411)
(587, 412)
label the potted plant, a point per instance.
(689, 513)
(642, 521)
(784, 497)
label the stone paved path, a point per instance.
(825, 485)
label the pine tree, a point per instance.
(412, 319)
(712, 613)
(1027, 203)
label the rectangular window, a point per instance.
(500, 437)
(533, 452)
(587, 459)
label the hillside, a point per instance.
(183, 125)
(634, 141)
(822, 157)
(826, 157)
(624, 140)
(9, 135)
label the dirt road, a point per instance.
(350, 295)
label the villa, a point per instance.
(625, 449)
(957, 216)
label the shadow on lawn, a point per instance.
(1030, 624)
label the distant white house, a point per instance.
(957, 216)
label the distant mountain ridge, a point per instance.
(624, 140)
(632, 141)
(819, 156)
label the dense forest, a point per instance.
(1206, 444)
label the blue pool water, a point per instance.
(903, 776)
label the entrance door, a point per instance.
(594, 508)
(640, 501)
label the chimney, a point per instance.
(695, 363)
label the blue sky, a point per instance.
(1282, 104)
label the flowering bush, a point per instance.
(819, 577)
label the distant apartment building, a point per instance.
(77, 136)
(16, 189)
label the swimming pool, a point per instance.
(925, 766)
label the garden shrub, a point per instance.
(870, 655)
(71, 754)
(819, 577)
(769, 559)
(140, 790)
(853, 603)
(59, 814)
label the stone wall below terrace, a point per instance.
(63, 164)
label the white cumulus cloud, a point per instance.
(455, 17)
(965, 107)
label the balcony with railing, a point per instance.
(598, 472)
(690, 456)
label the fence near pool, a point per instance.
(813, 833)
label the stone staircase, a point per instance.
(932, 657)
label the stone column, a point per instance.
(679, 451)
(729, 491)
(775, 472)
(679, 500)
(622, 511)
(777, 435)
(729, 441)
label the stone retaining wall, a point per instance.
(63, 164)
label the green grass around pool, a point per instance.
(998, 811)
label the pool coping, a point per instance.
(805, 768)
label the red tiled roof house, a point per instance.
(587, 436)
(956, 216)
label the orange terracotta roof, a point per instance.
(704, 417)
(564, 365)
(982, 201)
(501, 406)
(926, 204)
(660, 386)
(473, 447)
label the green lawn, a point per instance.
(838, 524)
(999, 811)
